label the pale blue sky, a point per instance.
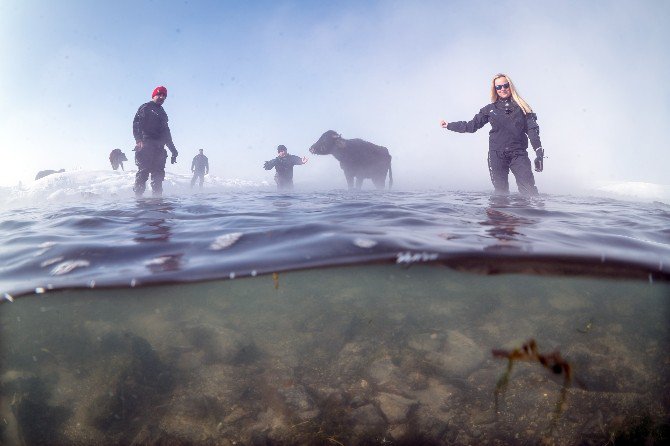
(244, 76)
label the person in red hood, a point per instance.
(152, 134)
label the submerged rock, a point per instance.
(383, 371)
(459, 355)
(299, 402)
(395, 407)
(367, 420)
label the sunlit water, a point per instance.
(107, 341)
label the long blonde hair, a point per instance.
(518, 99)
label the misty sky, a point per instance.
(243, 77)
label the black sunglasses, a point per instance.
(505, 86)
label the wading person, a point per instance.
(512, 124)
(200, 168)
(151, 131)
(283, 166)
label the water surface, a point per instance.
(211, 236)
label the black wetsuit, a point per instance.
(151, 127)
(508, 141)
(283, 170)
(199, 167)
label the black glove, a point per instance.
(266, 165)
(173, 159)
(539, 159)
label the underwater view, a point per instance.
(384, 354)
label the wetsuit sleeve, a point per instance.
(533, 130)
(165, 134)
(297, 161)
(167, 137)
(479, 121)
(193, 163)
(269, 165)
(206, 165)
(137, 123)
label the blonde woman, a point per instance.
(512, 124)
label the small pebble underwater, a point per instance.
(368, 354)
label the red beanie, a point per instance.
(159, 90)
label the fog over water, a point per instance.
(244, 78)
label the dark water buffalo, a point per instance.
(44, 173)
(117, 157)
(358, 159)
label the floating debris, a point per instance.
(8, 297)
(275, 279)
(44, 247)
(168, 262)
(225, 241)
(409, 257)
(69, 266)
(158, 260)
(364, 243)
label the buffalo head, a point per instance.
(327, 143)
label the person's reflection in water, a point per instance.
(153, 227)
(152, 220)
(503, 225)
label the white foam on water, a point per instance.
(634, 190)
(93, 184)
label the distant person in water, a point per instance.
(512, 124)
(283, 166)
(151, 131)
(200, 168)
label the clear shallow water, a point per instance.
(210, 236)
(393, 349)
(384, 354)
